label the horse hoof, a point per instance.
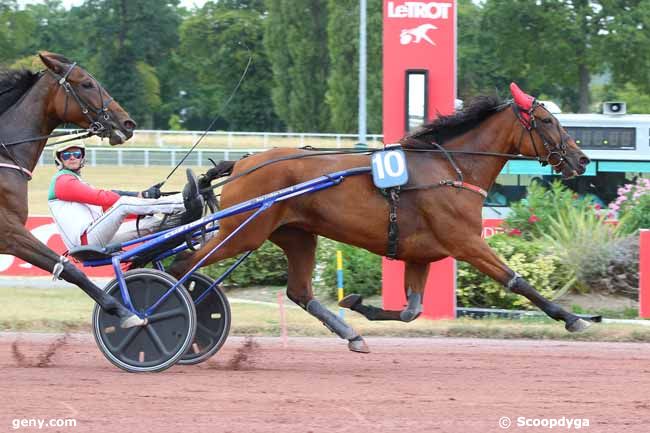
(350, 301)
(358, 345)
(132, 321)
(409, 315)
(578, 325)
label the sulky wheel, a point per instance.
(168, 333)
(213, 317)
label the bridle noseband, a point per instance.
(99, 124)
(556, 152)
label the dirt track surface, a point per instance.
(317, 385)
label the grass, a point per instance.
(56, 310)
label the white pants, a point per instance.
(109, 228)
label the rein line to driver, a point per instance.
(345, 151)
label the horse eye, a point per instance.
(547, 120)
(87, 85)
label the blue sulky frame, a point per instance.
(259, 204)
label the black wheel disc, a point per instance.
(168, 333)
(213, 320)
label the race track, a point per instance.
(317, 385)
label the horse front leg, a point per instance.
(415, 277)
(480, 255)
(22, 244)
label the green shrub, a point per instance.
(361, 270)
(629, 195)
(593, 252)
(636, 217)
(528, 258)
(532, 216)
(266, 266)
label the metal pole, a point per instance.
(362, 74)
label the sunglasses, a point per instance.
(69, 154)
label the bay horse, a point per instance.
(32, 105)
(439, 214)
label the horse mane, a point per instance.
(447, 127)
(13, 85)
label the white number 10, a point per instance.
(389, 163)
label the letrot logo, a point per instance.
(417, 35)
(414, 9)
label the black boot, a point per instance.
(192, 199)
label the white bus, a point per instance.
(619, 149)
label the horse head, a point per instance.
(546, 139)
(81, 100)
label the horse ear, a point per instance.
(51, 61)
(522, 99)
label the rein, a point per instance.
(221, 109)
(352, 151)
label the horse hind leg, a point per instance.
(415, 277)
(300, 248)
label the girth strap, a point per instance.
(393, 228)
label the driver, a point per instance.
(86, 215)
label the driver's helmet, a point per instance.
(56, 153)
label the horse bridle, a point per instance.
(556, 152)
(99, 125)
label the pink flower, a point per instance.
(533, 219)
(597, 206)
(514, 232)
(614, 207)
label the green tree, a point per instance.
(554, 47)
(16, 30)
(296, 43)
(216, 44)
(128, 41)
(343, 82)
(374, 91)
(478, 72)
(274, 42)
(627, 35)
(638, 100)
(551, 47)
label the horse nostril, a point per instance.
(584, 161)
(129, 124)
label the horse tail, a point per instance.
(222, 169)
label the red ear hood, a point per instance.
(523, 100)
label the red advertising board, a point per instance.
(44, 229)
(419, 43)
(418, 36)
(644, 274)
